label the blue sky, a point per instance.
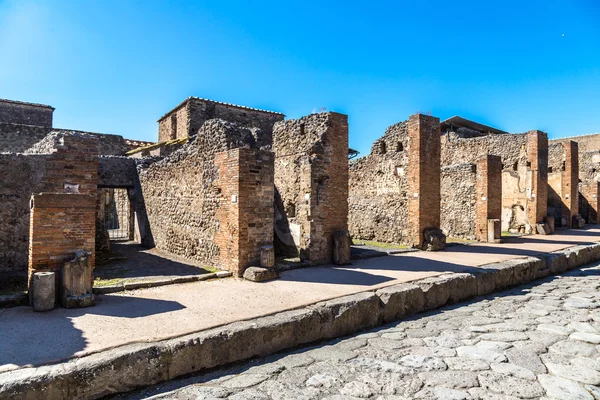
(117, 66)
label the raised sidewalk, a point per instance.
(147, 336)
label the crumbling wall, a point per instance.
(16, 138)
(16, 112)
(458, 186)
(190, 115)
(181, 194)
(311, 182)
(378, 189)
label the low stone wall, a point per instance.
(142, 364)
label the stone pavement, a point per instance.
(539, 341)
(30, 338)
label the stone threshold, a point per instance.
(142, 364)
(124, 286)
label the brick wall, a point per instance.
(563, 182)
(489, 194)
(245, 213)
(311, 183)
(423, 176)
(61, 224)
(537, 159)
(13, 112)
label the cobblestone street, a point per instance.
(534, 341)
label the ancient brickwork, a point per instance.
(185, 119)
(458, 184)
(537, 161)
(424, 197)
(589, 193)
(489, 194)
(61, 224)
(563, 182)
(71, 167)
(311, 182)
(378, 189)
(245, 212)
(178, 197)
(16, 112)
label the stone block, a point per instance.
(494, 231)
(44, 291)
(549, 219)
(556, 263)
(485, 279)
(341, 248)
(578, 222)
(400, 301)
(543, 229)
(267, 256)
(77, 281)
(349, 314)
(447, 289)
(258, 274)
(434, 239)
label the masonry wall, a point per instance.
(178, 197)
(458, 185)
(25, 114)
(589, 195)
(563, 181)
(378, 189)
(16, 138)
(60, 224)
(72, 166)
(191, 115)
(245, 212)
(488, 199)
(311, 183)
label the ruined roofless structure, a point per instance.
(226, 184)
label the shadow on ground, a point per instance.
(27, 343)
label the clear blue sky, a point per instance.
(117, 66)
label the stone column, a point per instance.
(424, 183)
(488, 203)
(570, 182)
(537, 161)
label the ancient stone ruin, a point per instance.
(234, 187)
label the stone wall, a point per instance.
(178, 197)
(378, 189)
(458, 184)
(488, 199)
(19, 138)
(311, 183)
(189, 116)
(116, 172)
(589, 195)
(16, 112)
(563, 182)
(72, 167)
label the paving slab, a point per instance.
(146, 315)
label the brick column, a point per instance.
(570, 182)
(488, 203)
(423, 177)
(590, 193)
(246, 207)
(537, 160)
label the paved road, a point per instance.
(536, 341)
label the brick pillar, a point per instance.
(537, 160)
(423, 177)
(488, 203)
(570, 182)
(245, 209)
(590, 193)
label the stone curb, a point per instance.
(14, 300)
(121, 287)
(137, 365)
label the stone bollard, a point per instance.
(578, 222)
(433, 239)
(77, 281)
(44, 291)
(341, 248)
(494, 231)
(549, 220)
(267, 256)
(543, 229)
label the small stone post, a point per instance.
(494, 231)
(341, 248)
(267, 256)
(44, 291)
(77, 281)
